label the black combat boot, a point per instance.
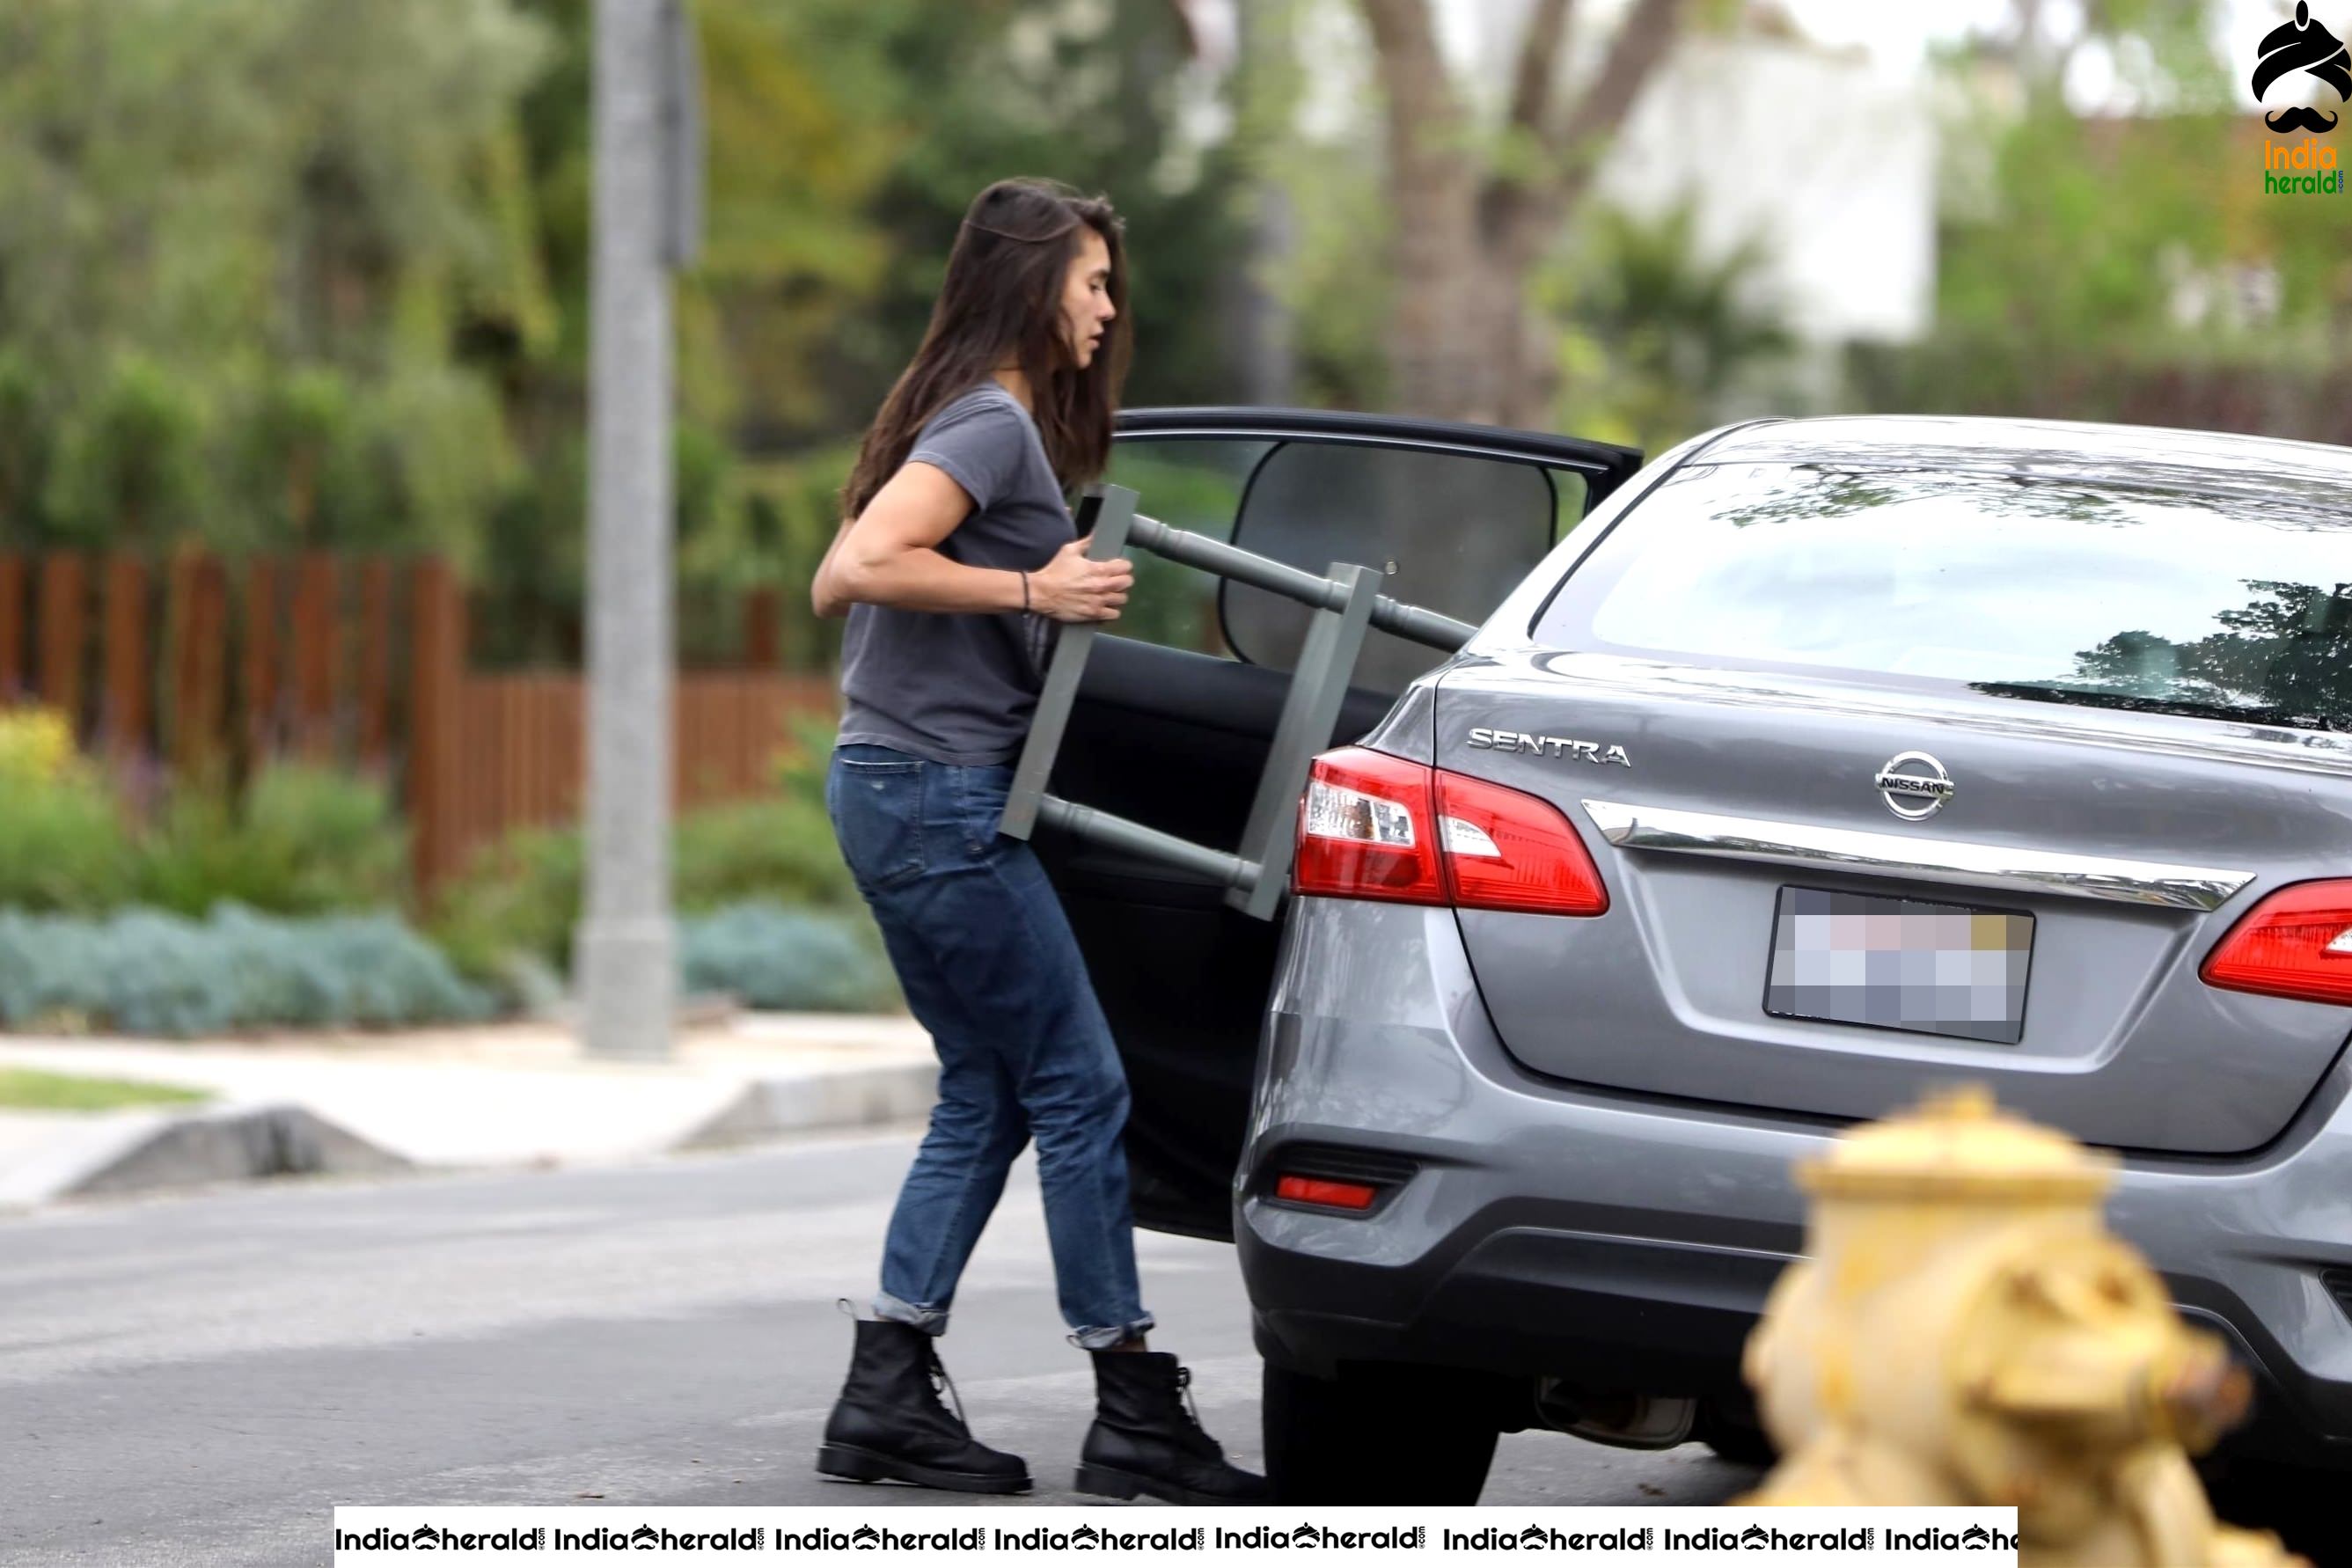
(890, 1424)
(1147, 1437)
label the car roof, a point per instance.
(2135, 455)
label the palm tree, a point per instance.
(1676, 329)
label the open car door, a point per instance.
(1175, 715)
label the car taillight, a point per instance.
(1364, 830)
(1376, 826)
(2297, 942)
(1508, 850)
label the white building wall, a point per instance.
(1827, 155)
(1829, 160)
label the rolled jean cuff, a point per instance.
(1103, 1338)
(932, 1321)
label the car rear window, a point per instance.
(2233, 601)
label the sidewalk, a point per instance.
(501, 1096)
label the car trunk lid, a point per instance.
(2129, 841)
(1951, 751)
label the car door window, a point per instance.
(1195, 484)
(1449, 532)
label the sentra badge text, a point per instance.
(1546, 746)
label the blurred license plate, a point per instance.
(1899, 964)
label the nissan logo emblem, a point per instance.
(1914, 786)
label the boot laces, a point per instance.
(1184, 1387)
(936, 1369)
(941, 1381)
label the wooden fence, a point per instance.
(208, 668)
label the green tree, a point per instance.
(1479, 207)
(127, 468)
(846, 137)
(208, 205)
(314, 272)
(2125, 264)
(1092, 94)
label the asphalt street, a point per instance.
(200, 1379)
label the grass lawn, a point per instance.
(27, 1089)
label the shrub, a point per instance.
(792, 960)
(149, 973)
(304, 840)
(62, 844)
(62, 848)
(37, 746)
(778, 849)
(801, 767)
(520, 897)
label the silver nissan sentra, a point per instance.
(1826, 762)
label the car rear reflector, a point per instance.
(2297, 942)
(1354, 1196)
(1376, 826)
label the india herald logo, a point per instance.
(2302, 45)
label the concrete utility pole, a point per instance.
(1268, 354)
(646, 200)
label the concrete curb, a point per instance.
(156, 1151)
(514, 1096)
(148, 1151)
(869, 1097)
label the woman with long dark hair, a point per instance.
(958, 557)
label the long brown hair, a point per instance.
(1002, 297)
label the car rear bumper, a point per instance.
(1629, 1242)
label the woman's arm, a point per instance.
(889, 555)
(824, 598)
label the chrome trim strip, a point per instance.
(1973, 865)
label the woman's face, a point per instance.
(1086, 309)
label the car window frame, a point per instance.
(1604, 467)
(1552, 532)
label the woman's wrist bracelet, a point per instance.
(1024, 592)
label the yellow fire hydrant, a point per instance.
(1964, 1331)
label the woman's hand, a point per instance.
(1072, 588)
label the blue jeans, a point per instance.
(986, 957)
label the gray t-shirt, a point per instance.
(959, 689)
